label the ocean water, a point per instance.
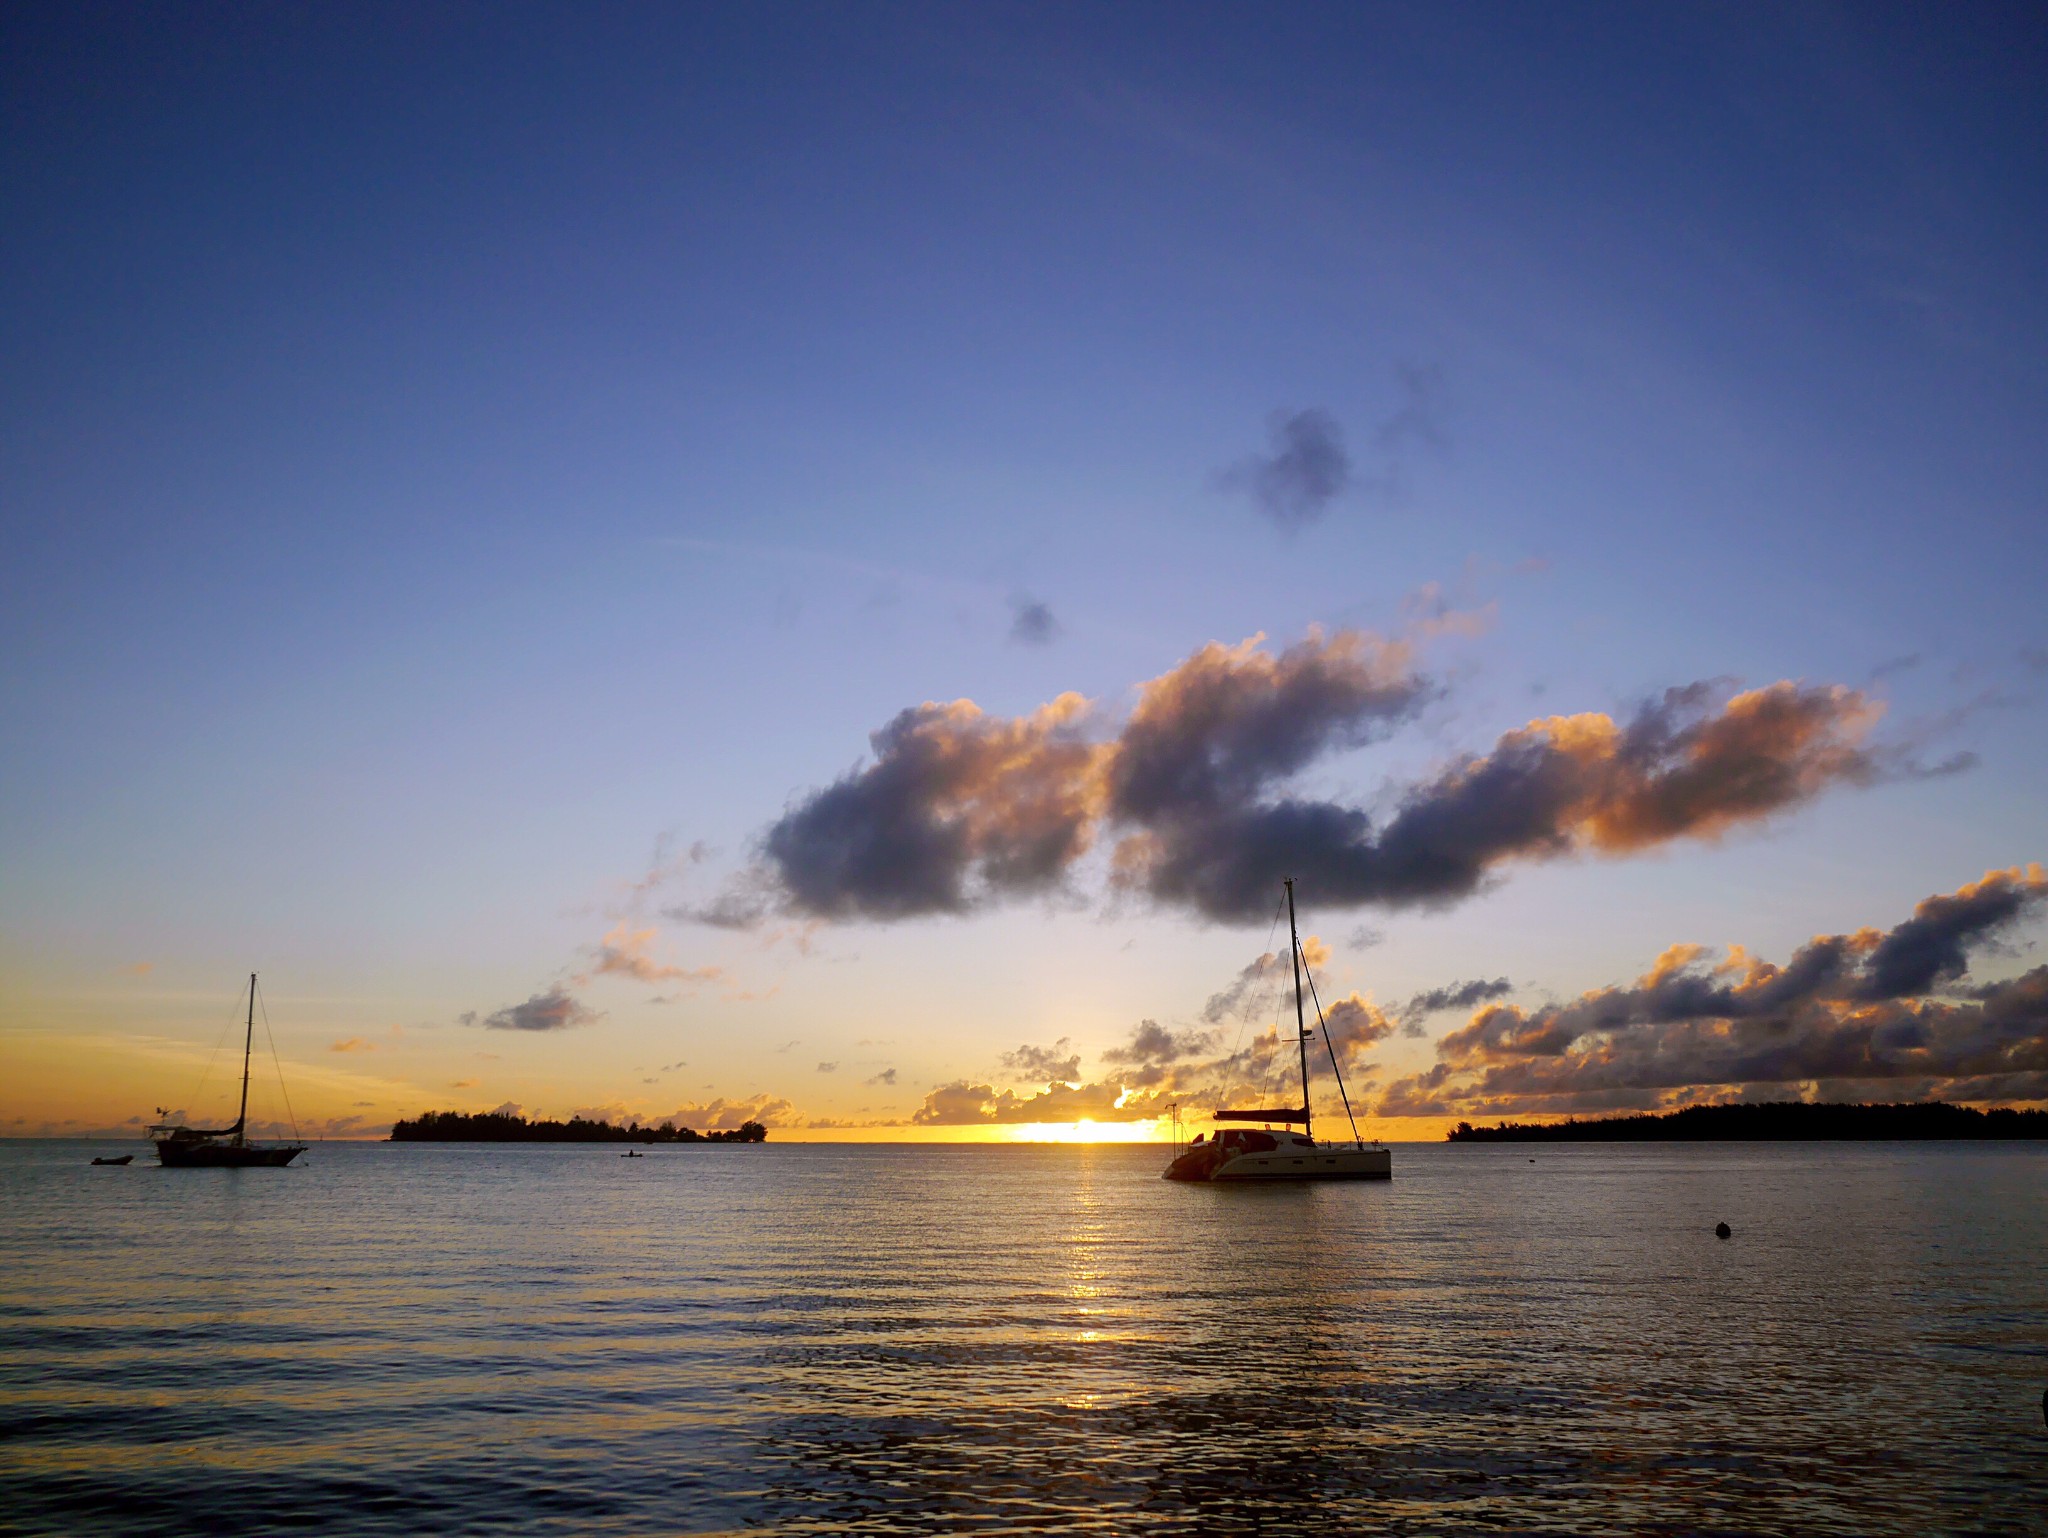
(830, 1339)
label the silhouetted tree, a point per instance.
(1773, 1121)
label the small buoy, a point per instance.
(1722, 1230)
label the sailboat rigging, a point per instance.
(1269, 1155)
(225, 1147)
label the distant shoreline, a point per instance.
(498, 1127)
(1778, 1121)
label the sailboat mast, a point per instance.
(1300, 1021)
(249, 1037)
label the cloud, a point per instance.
(1355, 1023)
(1230, 720)
(462, 1083)
(886, 1076)
(1932, 947)
(353, 1044)
(957, 807)
(1157, 1067)
(1253, 991)
(623, 953)
(1042, 1065)
(1197, 791)
(723, 1115)
(828, 1068)
(1302, 472)
(1450, 996)
(962, 1104)
(746, 900)
(1419, 420)
(1681, 767)
(1847, 1011)
(1152, 1043)
(1032, 623)
(554, 1010)
(664, 865)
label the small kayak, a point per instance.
(123, 1159)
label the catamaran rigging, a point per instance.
(1267, 1155)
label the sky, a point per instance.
(822, 563)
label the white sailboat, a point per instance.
(1277, 1152)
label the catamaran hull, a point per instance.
(1200, 1165)
(224, 1156)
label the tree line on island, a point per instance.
(1773, 1121)
(503, 1127)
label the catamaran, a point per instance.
(226, 1148)
(1277, 1152)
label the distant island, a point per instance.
(498, 1127)
(1775, 1121)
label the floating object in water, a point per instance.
(1279, 1154)
(227, 1147)
(120, 1159)
(632, 1154)
(1722, 1230)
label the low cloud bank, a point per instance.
(1156, 1066)
(1891, 1014)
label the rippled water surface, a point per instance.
(839, 1339)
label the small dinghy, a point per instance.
(121, 1159)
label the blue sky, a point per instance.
(447, 451)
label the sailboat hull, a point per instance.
(225, 1155)
(1212, 1165)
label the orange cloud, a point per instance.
(959, 808)
(1857, 1015)
(623, 953)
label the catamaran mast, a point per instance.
(249, 1036)
(1300, 1021)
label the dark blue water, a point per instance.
(839, 1339)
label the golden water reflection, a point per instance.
(833, 1339)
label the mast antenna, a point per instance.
(248, 1039)
(1300, 1021)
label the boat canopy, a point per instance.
(1299, 1114)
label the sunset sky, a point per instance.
(821, 563)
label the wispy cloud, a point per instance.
(1032, 623)
(1304, 469)
(623, 953)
